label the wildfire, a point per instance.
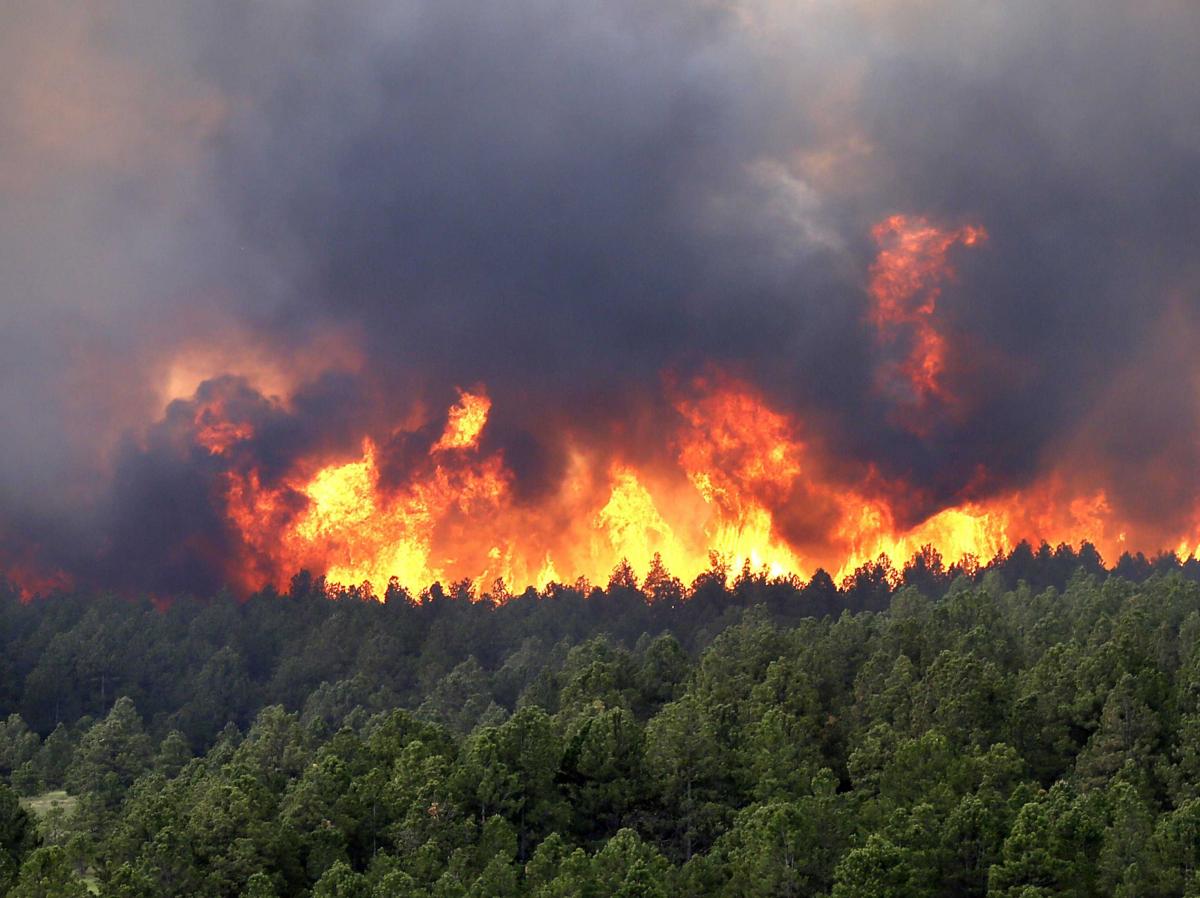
(755, 484)
(905, 284)
(33, 578)
(467, 419)
(741, 468)
(217, 434)
(742, 479)
(355, 531)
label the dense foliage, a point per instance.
(1028, 729)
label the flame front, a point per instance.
(355, 532)
(740, 470)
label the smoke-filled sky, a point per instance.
(332, 216)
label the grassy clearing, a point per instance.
(41, 805)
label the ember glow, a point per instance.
(786, 286)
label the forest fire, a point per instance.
(744, 483)
(734, 478)
(905, 285)
(740, 481)
(526, 449)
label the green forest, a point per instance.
(1026, 728)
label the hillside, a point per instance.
(1028, 730)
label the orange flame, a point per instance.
(353, 531)
(741, 470)
(34, 579)
(905, 284)
(467, 419)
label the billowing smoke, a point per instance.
(239, 239)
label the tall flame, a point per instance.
(467, 419)
(905, 284)
(741, 468)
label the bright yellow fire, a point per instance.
(742, 471)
